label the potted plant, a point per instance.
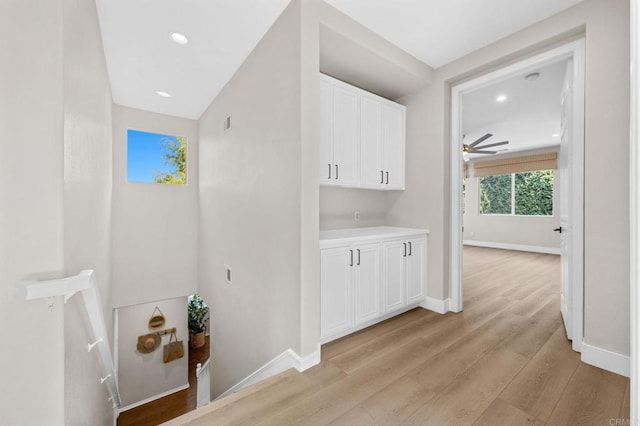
(197, 318)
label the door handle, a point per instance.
(381, 176)
(405, 250)
(358, 257)
(329, 170)
(336, 171)
(559, 230)
(351, 252)
(409, 248)
(387, 178)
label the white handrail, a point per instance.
(84, 282)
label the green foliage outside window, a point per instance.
(495, 194)
(175, 156)
(533, 194)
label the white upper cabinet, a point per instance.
(362, 141)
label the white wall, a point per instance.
(31, 186)
(155, 226)
(250, 207)
(338, 207)
(606, 23)
(142, 376)
(87, 205)
(532, 231)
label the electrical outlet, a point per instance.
(356, 216)
(227, 274)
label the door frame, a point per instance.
(634, 201)
(575, 50)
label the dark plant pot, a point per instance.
(196, 340)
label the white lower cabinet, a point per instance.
(365, 282)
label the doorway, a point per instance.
(571, 167)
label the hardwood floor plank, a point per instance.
(538, 387)
(625, 409)
(469, 395)
(593, 397)
(503, 413)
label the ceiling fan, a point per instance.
(474, 148)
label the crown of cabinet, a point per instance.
(362, 138)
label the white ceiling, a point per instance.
(528, 118)
(141, 59)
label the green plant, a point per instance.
(197, 314)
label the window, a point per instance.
(156, 158)
(520, 194)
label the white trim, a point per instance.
(573, 50)
(435, 305)
(634, 202)
(508, 246)
(153, 398)
(607, 360)
(283, 362)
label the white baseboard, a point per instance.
(518, 247)
(286, 360)
(435, 305)
(607, 360)
(153, 398)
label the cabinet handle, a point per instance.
(351, 252)
(358, 257)
(387, 178)
(329, 171)
(336, 171)
(409, 248)
(381, 176)
(405, 250)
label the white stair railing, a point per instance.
(203, 371)
(84, 282)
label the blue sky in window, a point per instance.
(145, 155)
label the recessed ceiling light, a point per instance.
(163, 94)
(501, 98)
(555, 135)
(179, 38)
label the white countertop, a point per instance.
(359, 234)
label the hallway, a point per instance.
(504, 361)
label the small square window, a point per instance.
(156, 158)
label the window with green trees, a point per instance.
(523, 194)
(156, 158)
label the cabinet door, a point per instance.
(326, 129)
(346, 136)
(393, 276)
(371, 172)
(336, 300)
(393, 144)
(367, 282)
(416, 270)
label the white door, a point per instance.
(393, 275)
(336, 300)
(416, 277)
(367, 282)
(346, 136)
(393, 143)
(326, 131)
(371, 172)
(564, 168)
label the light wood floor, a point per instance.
(504, 361)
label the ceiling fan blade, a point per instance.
(480, 140)
(483, 152)
(493, 144)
